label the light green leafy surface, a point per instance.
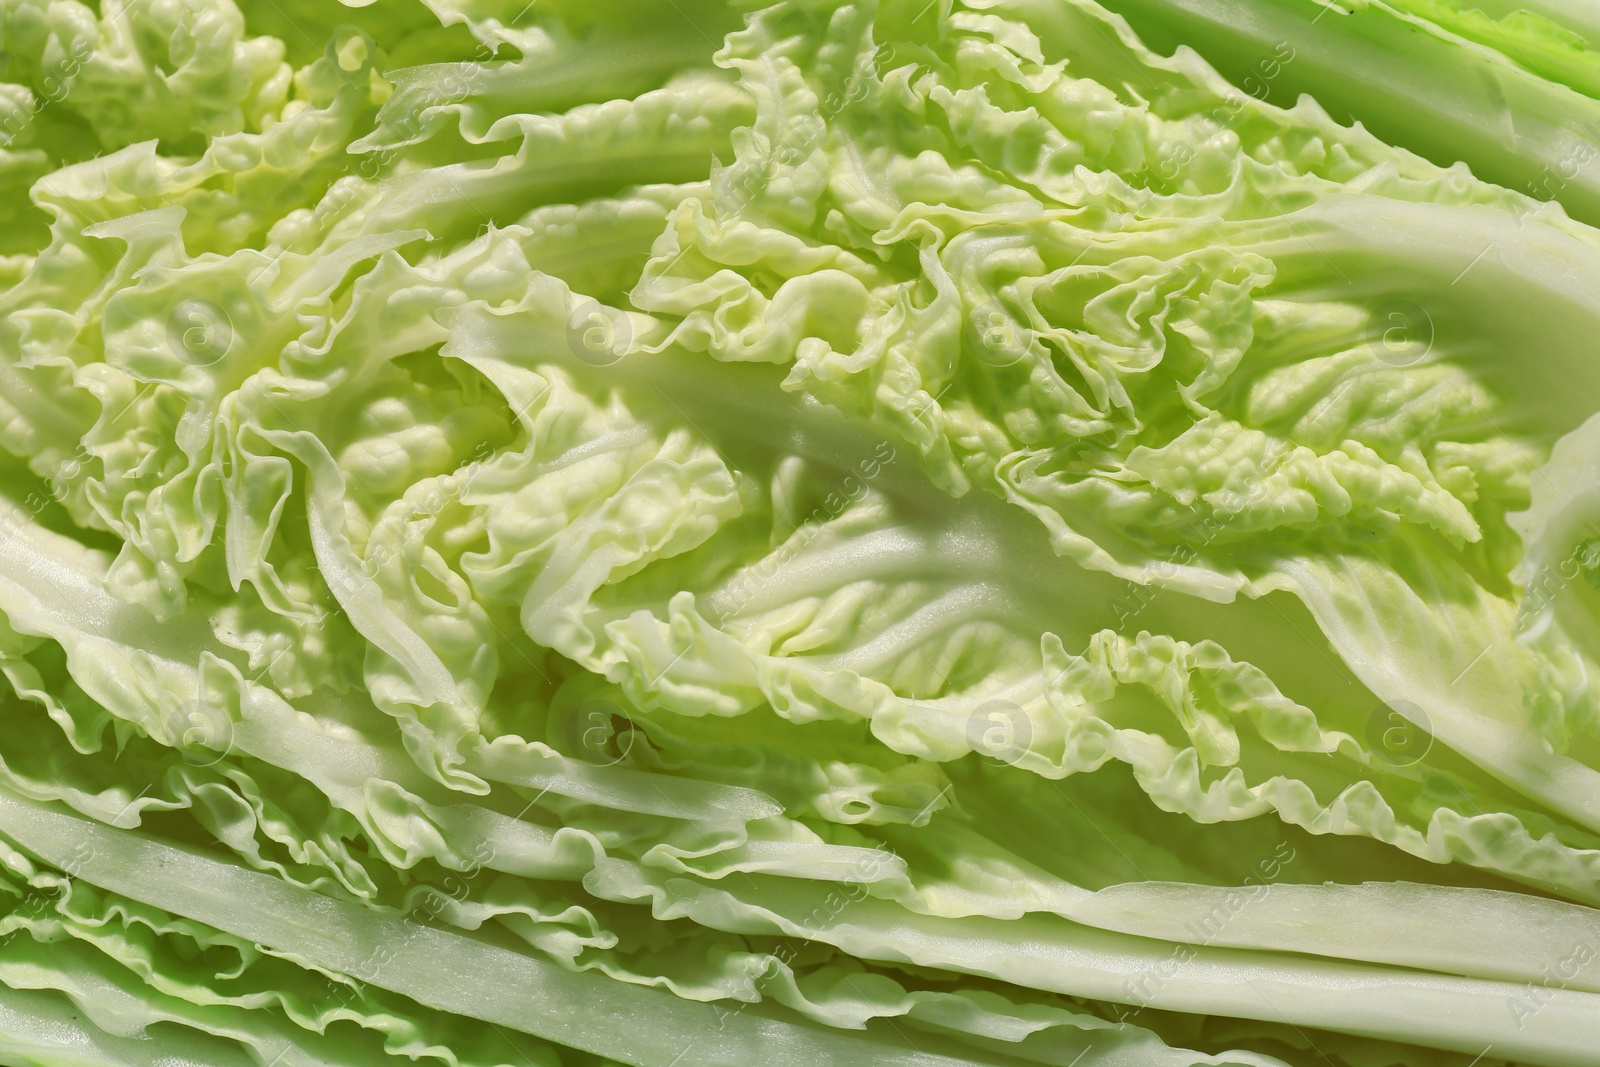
(674, 532)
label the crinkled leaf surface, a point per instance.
(803, 532)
